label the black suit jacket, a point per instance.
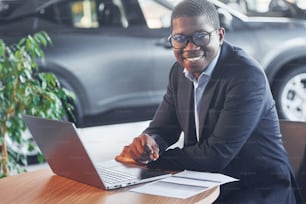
(239, 129)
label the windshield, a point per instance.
(265, 8)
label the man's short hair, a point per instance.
(192, 8)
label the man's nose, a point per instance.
(190, 45)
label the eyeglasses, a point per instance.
(200, 38)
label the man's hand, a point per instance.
(142, 150)
(125, 156)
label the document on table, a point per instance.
(184, 184)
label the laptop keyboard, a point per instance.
(113, 176)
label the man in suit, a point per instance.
(220, 99)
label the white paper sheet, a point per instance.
(184, 184)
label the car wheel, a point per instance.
(290, 94)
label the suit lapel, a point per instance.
(205, 104)
(185, 99)
(185, 94)
(210, 89)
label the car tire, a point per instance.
(289, 92)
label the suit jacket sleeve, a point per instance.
(165, 128)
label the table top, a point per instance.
(42, 186)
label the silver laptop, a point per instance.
(66, 155)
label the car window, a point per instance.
(101, 13)
(156, 15)
(268, 8)
(4, 8)
(84, 14)
(87, 13)
(90, 14)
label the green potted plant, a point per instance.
(25, 90)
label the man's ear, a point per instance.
(221, 35)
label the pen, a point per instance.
(149, 151)
(198, 179)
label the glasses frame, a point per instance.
(190, 38)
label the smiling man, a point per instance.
(220, 99)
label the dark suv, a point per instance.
(115, 56)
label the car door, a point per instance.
(238, 32)
(111, 59)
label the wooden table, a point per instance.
(42, 186)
